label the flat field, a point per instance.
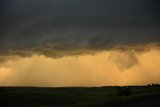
(75, 96)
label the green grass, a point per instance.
(73, 97)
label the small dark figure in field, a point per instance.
(123, 91)
(1, 89)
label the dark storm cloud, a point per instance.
(68, 27)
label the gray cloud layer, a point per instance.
(67, 27)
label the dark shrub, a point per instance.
(123, 91)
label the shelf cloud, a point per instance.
(57, 28)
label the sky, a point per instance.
(59, 43)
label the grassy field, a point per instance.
(74, 96)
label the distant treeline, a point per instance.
(153, 85)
